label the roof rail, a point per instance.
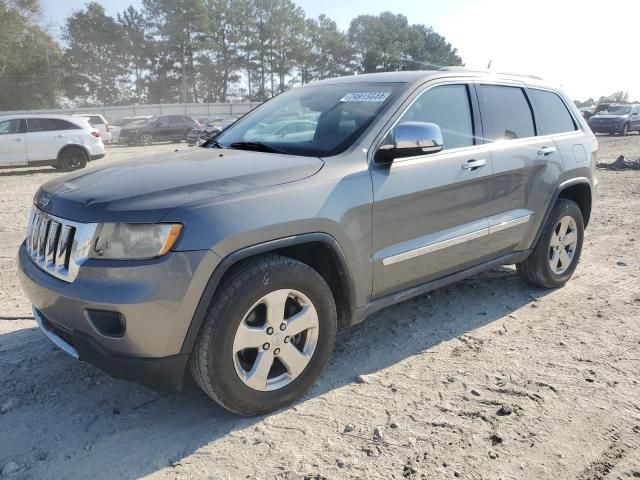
(471, 70)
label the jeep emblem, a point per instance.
(44, 201)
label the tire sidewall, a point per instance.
(220, 364)
(63, 163)
(562, 209)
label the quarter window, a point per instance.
(553, 113)
(448, 107)
(12, 127)
(64, 125)
(507, 113)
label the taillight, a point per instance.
(95, 133)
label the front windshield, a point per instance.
(319, 121)
(619, 110)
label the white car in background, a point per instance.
(117, 125)
(100, 123)
(63, 141)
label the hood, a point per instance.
(146, 189)
(128, 128)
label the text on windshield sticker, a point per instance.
(365, 97)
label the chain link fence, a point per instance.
(196, 110)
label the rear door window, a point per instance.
(175, 120)
(447, 106)
(506, 113)
(13, 127)
(41, 125)
(552, 112)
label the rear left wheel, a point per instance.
(72, 158)
(555, 257)
(267, 337)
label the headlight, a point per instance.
(122, 241)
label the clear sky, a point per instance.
(581, 45)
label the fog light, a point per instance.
(109, 324)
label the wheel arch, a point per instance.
(580, 192)
(577, 189)
(320, 251)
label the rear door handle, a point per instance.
(474, 164)
(544, 151)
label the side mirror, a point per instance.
(410, 139)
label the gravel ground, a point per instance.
(487, 378)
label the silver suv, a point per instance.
(240, 261)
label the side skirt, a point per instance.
(383, 302)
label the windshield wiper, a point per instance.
(212, 143)
(258, 147)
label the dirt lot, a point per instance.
(438, 369)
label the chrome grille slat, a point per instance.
(62, 249)
(52, 242)
(58, 246)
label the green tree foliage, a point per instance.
(199, 50)
(138, 49)
(177, 27)
(387, 42)
(96, 54)
(30, 59)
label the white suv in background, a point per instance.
(99, 122)
(66, 142)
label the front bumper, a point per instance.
(607, 128)
(157, 299)
(159, 372)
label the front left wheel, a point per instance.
(267, 337)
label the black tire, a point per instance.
(536, 269)
(72, 158)
(212, 360)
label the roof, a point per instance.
(39, 115)
(421, 76)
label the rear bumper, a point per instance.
(160, 372)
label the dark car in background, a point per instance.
(620, 119)
(167, 128)
(208, 130)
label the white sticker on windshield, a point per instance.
(365, 97)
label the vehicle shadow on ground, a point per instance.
(20, 172)
(88, 425)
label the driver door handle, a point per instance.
(17, 139)
(544, 151)
(474, 164)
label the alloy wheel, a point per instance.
(275, 340)
(146, 139)
(72, 159)
(562, 247)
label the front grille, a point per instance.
(56, 245)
